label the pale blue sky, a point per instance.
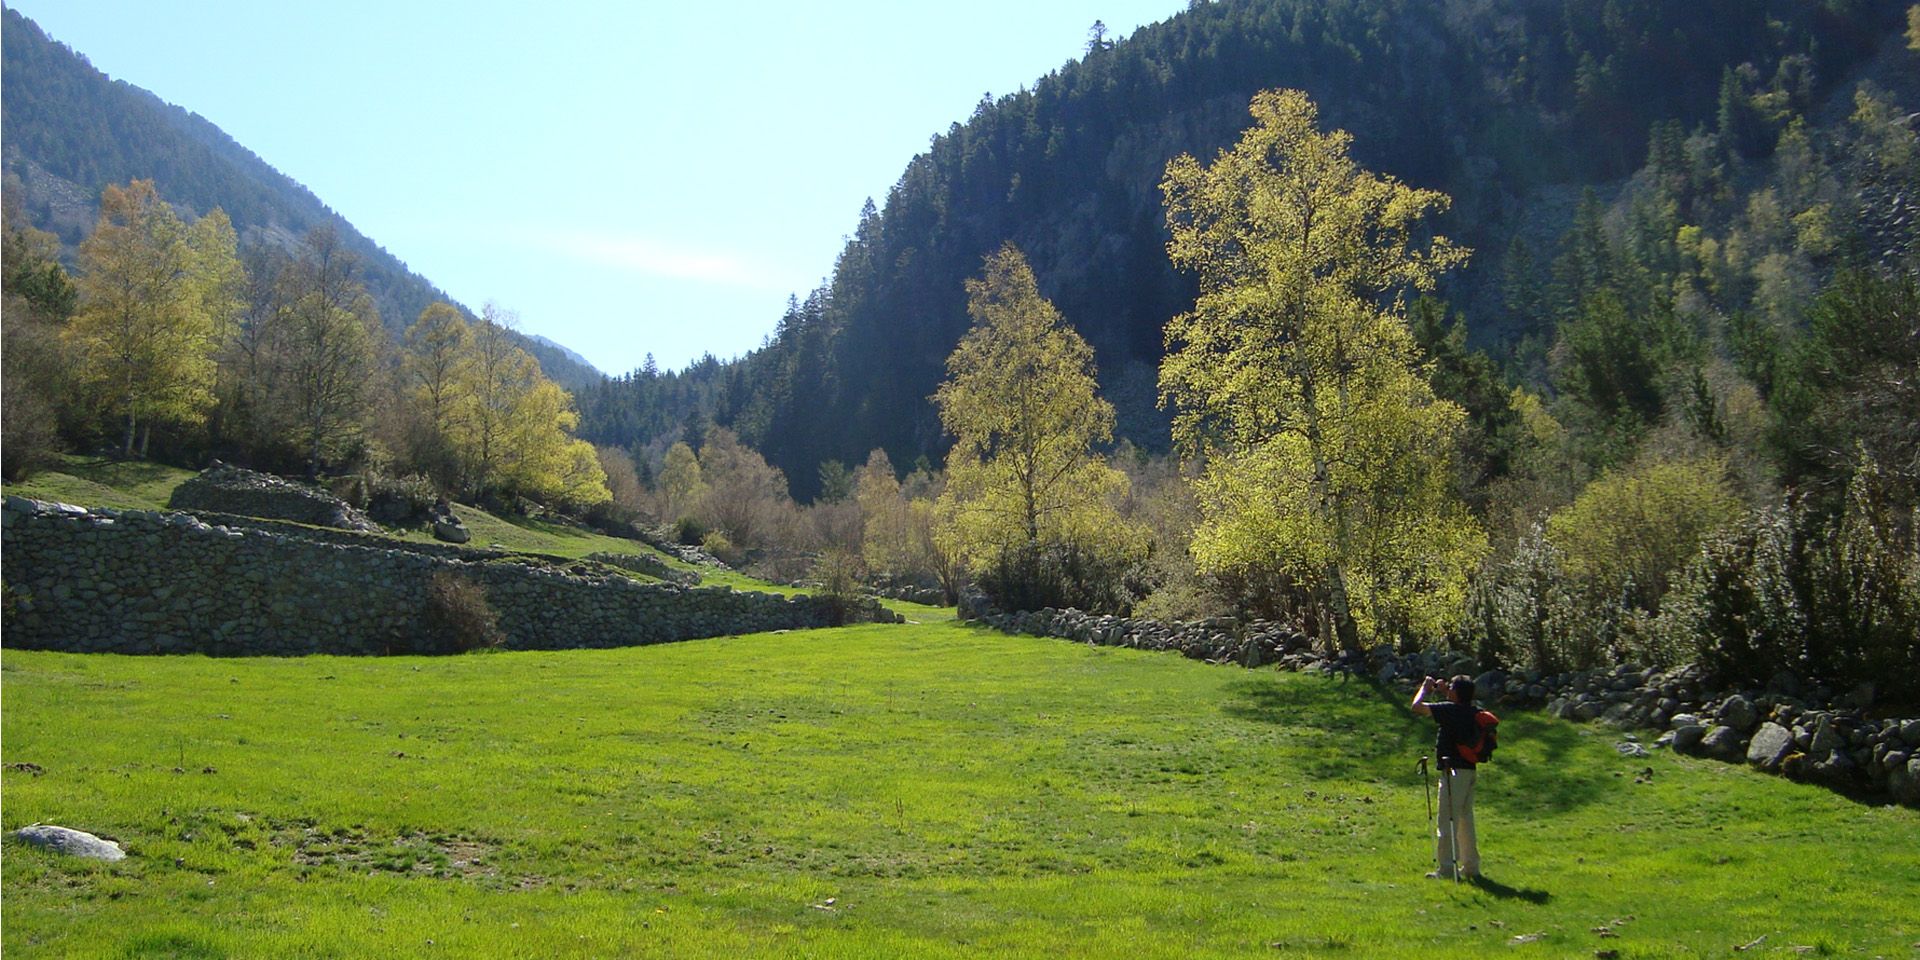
(628, 177)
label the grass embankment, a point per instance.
(928, 790)
(136, 485)
(100, 482)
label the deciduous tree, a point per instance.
(1020, 399)
(682, 488)
(328, 330)
(1328, 457)
(151, 290)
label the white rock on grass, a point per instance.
(75, 843)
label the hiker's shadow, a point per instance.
(1504, 892)
(1536, 769)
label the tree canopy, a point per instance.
(1328, 456)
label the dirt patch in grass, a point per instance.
(446, 856)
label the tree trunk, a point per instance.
(1344, 629)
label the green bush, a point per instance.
(689, 532)
(1631, 530)
(1033, 577)
(838, 574)
(458, 617)
(1831, 598)
(401, 501)
(1528, 612)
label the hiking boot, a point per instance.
(1440, 875)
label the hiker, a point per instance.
(1454, 717)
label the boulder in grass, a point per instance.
(447, 527)
(1770, 746)
(1722, 743)
(74, 843)
(1687, 737)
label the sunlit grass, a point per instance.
(100, 482)
(953, 792)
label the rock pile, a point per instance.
(1812, 735)
(223, 488)
(132, 581)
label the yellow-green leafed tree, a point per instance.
(1020, 399)
(439, 348)
(153, 295)
(509, 425)
(1327, 454)
(1629, 532)
(887, 529)
(436, 360)
(683, 489)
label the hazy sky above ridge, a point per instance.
(630, 178)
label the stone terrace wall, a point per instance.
(160, 582)
(222, 488)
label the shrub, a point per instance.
(1828, 598)
(1629, 531)
(690, 532)
(402, 501)
(1737, 603)
(722, 549)
(458, 617)
(838, 573)
(1527, 612)
(1032, 577)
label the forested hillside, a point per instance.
(70, 131)
(1511, 108)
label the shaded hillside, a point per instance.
(1510, 107)
(69, 131)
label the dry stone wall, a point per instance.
(131, 581)
(223, 488)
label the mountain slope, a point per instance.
(69, 131)
(1512, 108)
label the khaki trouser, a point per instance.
(1456, 822)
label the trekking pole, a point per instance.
(1453, 826)
(1426, 782)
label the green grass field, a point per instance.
(920, 790)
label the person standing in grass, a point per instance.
(1454, 718)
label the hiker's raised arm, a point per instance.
(1420, 698)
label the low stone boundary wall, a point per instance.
(1807, 735)
(224, 488)
(130, 581)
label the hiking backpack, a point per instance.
(1479, 748)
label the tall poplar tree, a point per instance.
(1021, 400)
(1328, 457)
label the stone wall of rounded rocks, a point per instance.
(130, 581)
(648, 565)
(223, 488)
(1809, 734)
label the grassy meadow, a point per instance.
(922, 790)
(930, 789)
